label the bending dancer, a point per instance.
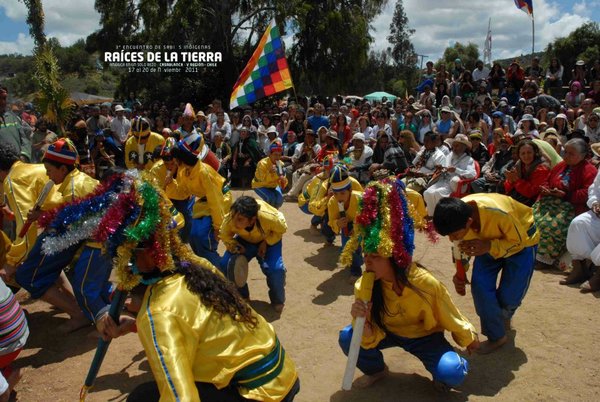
(410, 308)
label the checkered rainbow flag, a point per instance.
(266, 73)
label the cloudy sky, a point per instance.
(438, 23)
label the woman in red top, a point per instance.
(343, 131)
(561, 199)
(523, 182)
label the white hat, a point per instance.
(358, 136)
(271, 130)
(119, 108)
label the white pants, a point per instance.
(438, 190)
(583, 238)
(298, 182)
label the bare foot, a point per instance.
(488, 346)
(278, 307)
(73, 324)
(368, 380)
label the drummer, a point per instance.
(253, 228)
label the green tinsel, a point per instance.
(150, 215)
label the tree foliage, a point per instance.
(402, 50)
(468, 54)
(581, 44)
(52, 98)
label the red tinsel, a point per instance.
(403, 259)
(115, 215)
(368, 213)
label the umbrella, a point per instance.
(379, 95)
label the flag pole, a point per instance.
(532, 34)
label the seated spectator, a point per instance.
(479, 152)
(388, 155)
(534, 71)
(480, 73)
(428, 160)
(41, 139)
(467, 86)
(426, 125)
(459, 165)
(409, 145)
(583, 242)
(562, 198)
(343, 131)
(492, 173)
(304, 163)
(365, 129)
(497, 77)
(359, 156)
(528, 127)
(561, 124)
(222, 151)
(511, 94)
(515, 76)
(592, 128)
(524, 180)
(575, 96)
(445, 126)
(579, 73)
(594, 94)
(554, 74)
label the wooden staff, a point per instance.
(366, 289)
(38, 205)
(114, 312)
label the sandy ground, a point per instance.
(554, 355)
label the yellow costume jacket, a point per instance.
(312, 188)
(507, 223)
(270, 226)
(416, 200)
(132, 150)
(414, 315)
(265, 176)
(333, 210)
(203, 182)
(22, 186)
(158, 172)
(318, 205)
(187, 342)
(76, 185)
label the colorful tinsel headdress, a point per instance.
(121, 214)
(384, 224)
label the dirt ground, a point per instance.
(554, 356)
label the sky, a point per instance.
(437, 23)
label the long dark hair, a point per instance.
(217, 292)
(378, 308)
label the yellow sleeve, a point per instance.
(274, 227)
(318, 205)
(213, 186)
(264, 177)
(368, 342)
(451, 319)
(333, 211)
(170, 361)
(514, 235)
(129, 145)
(356, 186)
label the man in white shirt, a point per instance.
(481, 72)
(120, 126)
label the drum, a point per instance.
(237, 270)
(207, 156)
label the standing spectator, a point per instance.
(13, 130)
(41, 138)
(120, 126)
(318, 120)
(96, 122)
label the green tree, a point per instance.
(403, 51)
(52, 99)
(468, 54)
(332, 44)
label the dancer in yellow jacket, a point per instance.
(253, 228)
(141, 144)
(269, 180)
(501, 234)
(212, 196)
(410, 308)
(342, 209)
